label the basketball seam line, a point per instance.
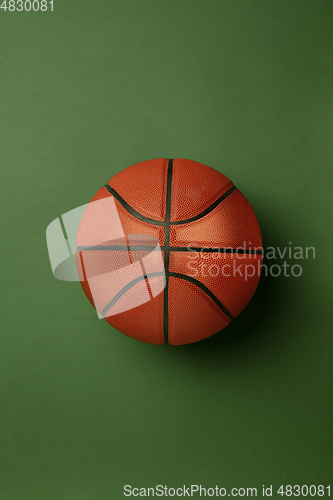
(167, 253)
(127, 287)
(167, 223)
(167, 274)
(164, 248)
(204, 289)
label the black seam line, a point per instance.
(164, 248)
(208, 210)
(167, 253)
(168, 274)
(167, 222)
(204, 289)
(148, 287)
(127, 287)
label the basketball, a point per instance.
(169, 251)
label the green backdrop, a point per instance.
(244, 86)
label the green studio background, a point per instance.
(244, 86)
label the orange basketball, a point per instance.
(169, 251)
